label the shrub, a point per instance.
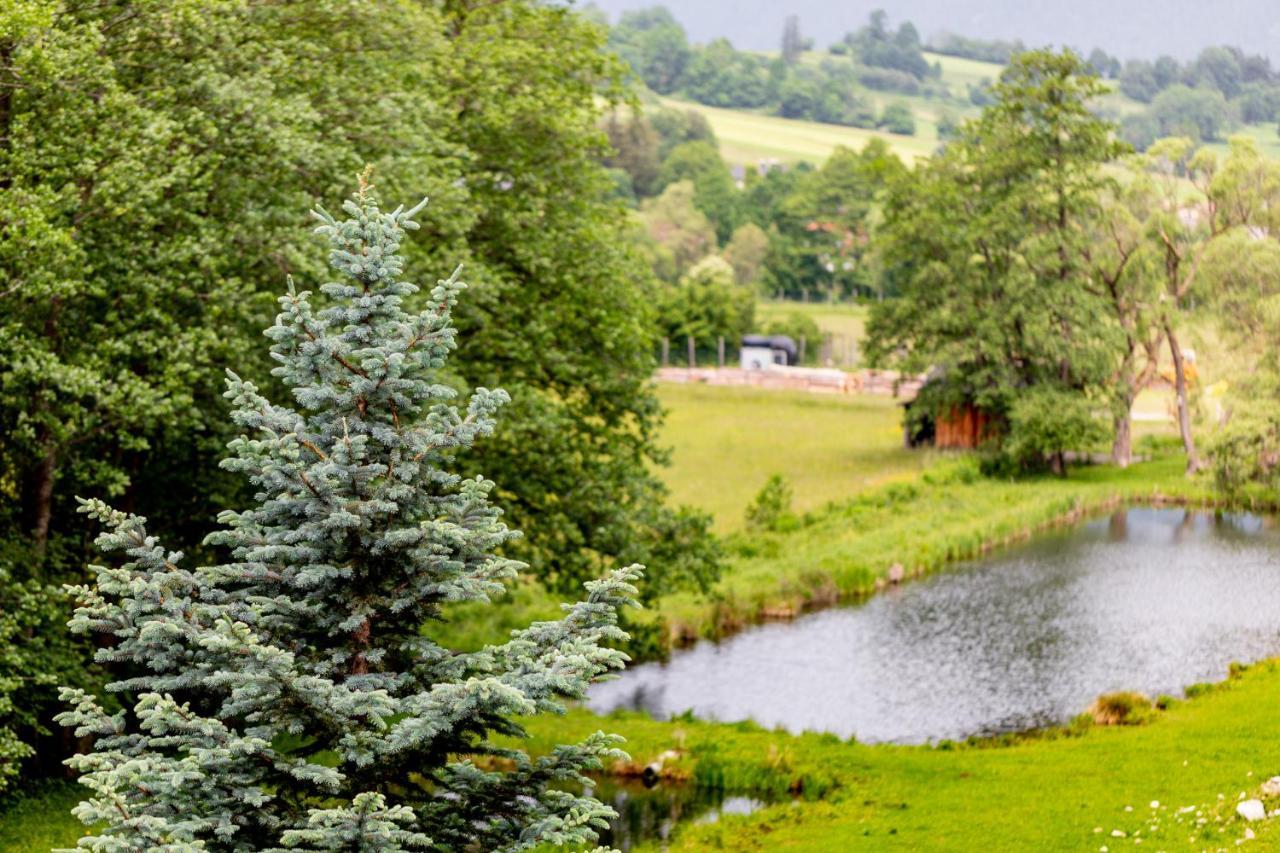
(771, 508)
(1124, 708)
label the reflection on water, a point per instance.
(651, 814)
(1148, 599)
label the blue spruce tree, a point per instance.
(294, 698)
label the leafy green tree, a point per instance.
(824, 223)
(634, 146)
(746, 252)
(793, 43)
(291, 698)
(678, 234)
(1046, 422)
(714, 192)
(989, 239)
(1219, 68)
(561, 314)
(1125, 271)
(1227, 197)
(654, 44)
(1201, 113)
(675, 127)
(898, 118)
(720, 76)
(1138, 80)
(877, 46)
(706, 305)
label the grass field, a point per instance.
(726, 442)
(834, 318)
(746, 138)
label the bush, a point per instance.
(1047, 422)
(888, 80)
(898, 118)
(1246, 450)
(799, 327)
(771, 508)
(1124, 708)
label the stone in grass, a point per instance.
(1252, 810)
(1271, 787)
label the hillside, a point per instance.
(749, 136)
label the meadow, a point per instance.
(726, 442)
(747, 138)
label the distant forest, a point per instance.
(1203, 98)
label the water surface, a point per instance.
(1147, 599)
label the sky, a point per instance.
(1125, 28)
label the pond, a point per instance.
(1151, 600)
(650, 814)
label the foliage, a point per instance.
(35, 657)
(713, 190)
(793, 43)
(675, 127)
(291, 698)
(988, 242)
(1044, 423)
(771, 507)
(826, 94)
(799, 327)
(1244, 272)
(875, 45)
(824, 224)
(898, 118)
(983, 50)
(746, 251)
(706, 305)
(117, 315)
(654, 44)
(720, 76)
(1245, 451)
(679, 234)
(1200, 114)
(634, 150)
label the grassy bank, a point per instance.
(1045, 793)
(948, 513)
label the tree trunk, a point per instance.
(1122, 444)
(41, 496)
(1058, 463)
(1184, 409)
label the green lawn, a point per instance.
(41, 819)
(726, 442)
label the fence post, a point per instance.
(666, 351)
(720, 352)
(692, 352)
